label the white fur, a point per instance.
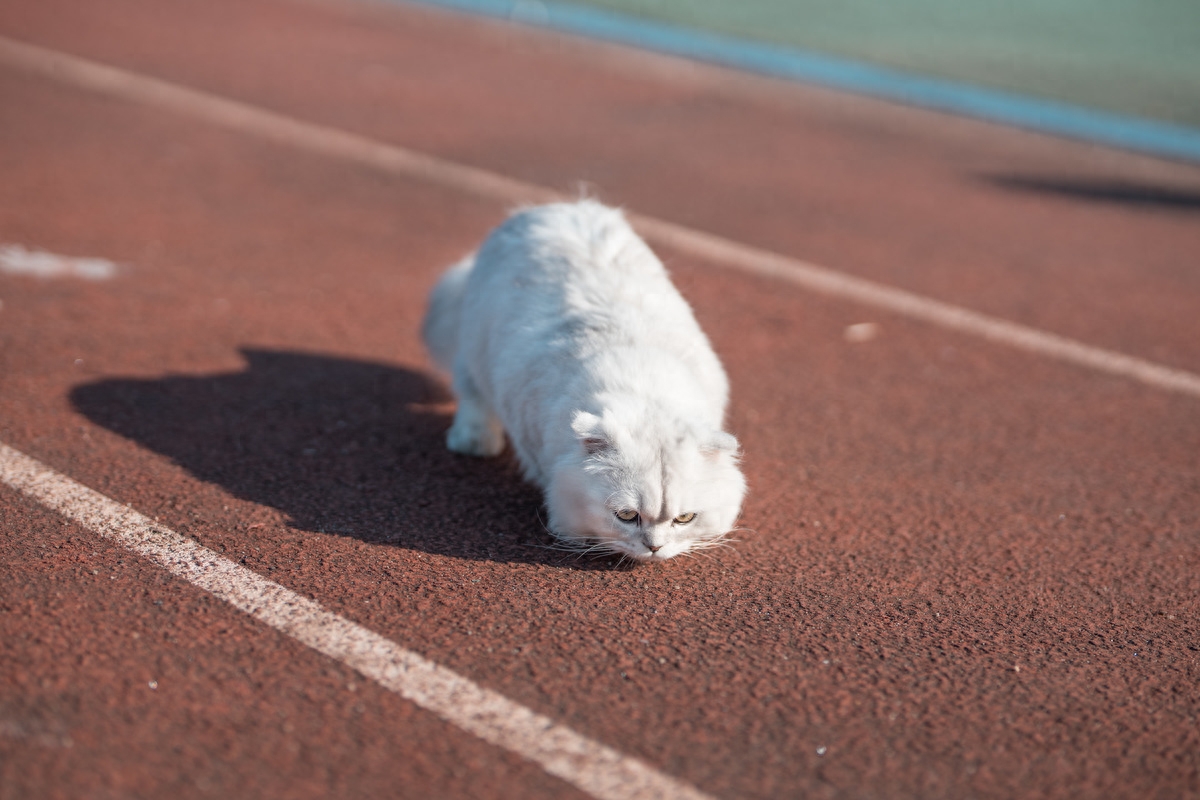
(565, 332)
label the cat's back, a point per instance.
(557, 286)
(571, 251)
(564, 303)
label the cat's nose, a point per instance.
(653, 549)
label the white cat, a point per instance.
(565, 332)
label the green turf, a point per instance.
(1137, 57)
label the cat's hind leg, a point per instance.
(475, 430)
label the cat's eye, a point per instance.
(626, 515)
(684, 519)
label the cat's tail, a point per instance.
(440, 328)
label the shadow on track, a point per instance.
(1117, 192)
(341, 446)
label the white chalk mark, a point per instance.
(585, 763)
(335, 143)
(16, 260)
(860, 332)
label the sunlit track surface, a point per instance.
(598, 770)
(964, 569)
(389, 158)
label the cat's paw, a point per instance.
(474, 439)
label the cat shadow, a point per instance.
(340, 446)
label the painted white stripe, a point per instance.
(914, 306)
(244, 118)
(587, 764)
(482, 183)
(17, 260)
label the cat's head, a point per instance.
(645, 486)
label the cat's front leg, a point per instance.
(475, 430)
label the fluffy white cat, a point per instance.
(565, 332)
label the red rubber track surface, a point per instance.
(967, 571)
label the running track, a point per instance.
(970, 569)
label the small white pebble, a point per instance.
(153, 684)
(821, 750)
(861, 332)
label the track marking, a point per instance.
(585, 763)
(331, 142)
(914, 306)
(16, 260)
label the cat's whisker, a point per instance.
(594, 548)
(701, 547)
(704, 553)
(558, 548)
(724, 540)
(707, 544)
(542, 522)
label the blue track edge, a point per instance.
(1046, 116)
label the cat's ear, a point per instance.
(719, 443)
(590, 430)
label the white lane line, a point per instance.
(914, 306)
(587, 764)
(17, 260)
(482, 183)
(243, 118)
